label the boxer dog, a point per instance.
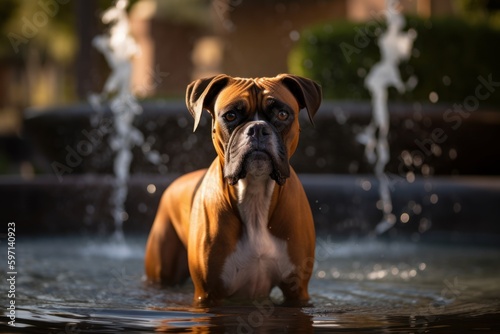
(244, 225)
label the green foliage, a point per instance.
(476, 11)
(45, 26)
(448, 57)
(7, 9)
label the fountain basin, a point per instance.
(435, 270)
(342, 205)
(331, 164)
(64, 135)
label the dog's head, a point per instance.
(255, 121)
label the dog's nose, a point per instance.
(259, 130)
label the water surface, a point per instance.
(77, 285)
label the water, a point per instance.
(74, 285)
(118, 47)
(395, 45)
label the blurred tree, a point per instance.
(43, 40)
(480, 11)
(40, 38)
(7, 9)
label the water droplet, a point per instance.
(405, 218)
(409, 124)
(426, 170)
(143, 208)
(294, 35)
(90, 209)
(457, 207)
(308, 63)
(404, 274)
(321, 162)
(153, 157)
(324, 208)
(163, 169)
(310, 151)
(407, 158)
(340, 115)
(436, 150)
(151, 188)
(353, 167)
(366, 185)
(410, 177)
(434, 198)
(411, 83)
(312, 39)
(424, 225)
(452, 153)
(361, 72)
(446, 80)
(433, 97)
(182, 122)
(418, 160)
(335, 273)
(124, 216)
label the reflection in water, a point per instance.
(357, 285)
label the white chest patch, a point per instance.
(260, 260)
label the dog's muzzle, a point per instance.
(256, 148)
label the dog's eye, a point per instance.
(230, 116)
(282, 115)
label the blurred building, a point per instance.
(184, 40)
(52, 61)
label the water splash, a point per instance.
(118, 47)
(395, 45)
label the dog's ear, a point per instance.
(200, 94)
(306, 91)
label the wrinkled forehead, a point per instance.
(252, 93)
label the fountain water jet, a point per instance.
(395, 46)
(118, 47)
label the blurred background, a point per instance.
(46, 57)
(48, 68)
(434, 268)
